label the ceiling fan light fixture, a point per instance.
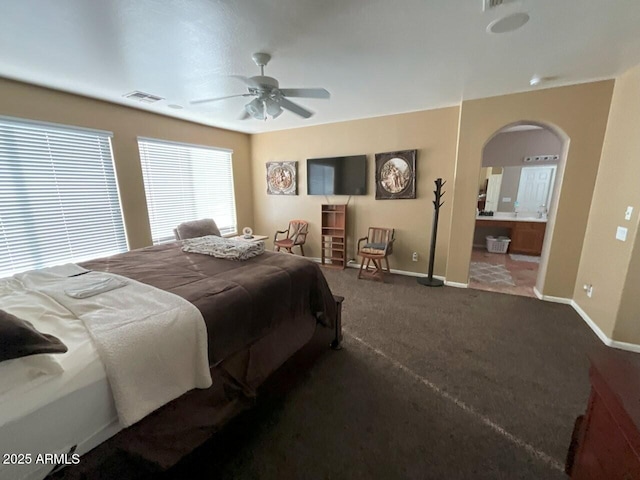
(273, 108)
(255, 108)
(509, 23)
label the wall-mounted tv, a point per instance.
(337, 175)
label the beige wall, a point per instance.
(580, 111)
(432, 132)
(36, 103)
(606, 262)
(627, 328)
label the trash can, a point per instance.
(498, 245)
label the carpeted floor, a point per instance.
(431, 383)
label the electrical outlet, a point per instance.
(414, 257)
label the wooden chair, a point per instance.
(296, 234)
(375, 247)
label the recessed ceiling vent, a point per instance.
(142, 97)
(489, 4)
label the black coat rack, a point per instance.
(437, 203)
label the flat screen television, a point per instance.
(337, 175)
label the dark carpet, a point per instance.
(431, 383)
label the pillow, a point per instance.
(197, 228)
(19, 338)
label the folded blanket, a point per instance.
(153, 344)
(223, 247)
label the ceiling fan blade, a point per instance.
(246, 80)
(305, 92)
(295, 108)
(205, 100)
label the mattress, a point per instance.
(51, 412)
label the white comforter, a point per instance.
(152, 343)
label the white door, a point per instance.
(535, 187)
(493, 192)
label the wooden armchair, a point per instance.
(375, 247)
(296, 234)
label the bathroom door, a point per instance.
(493, 192)
(535, 188)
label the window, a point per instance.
(186, 182)
(58, 196)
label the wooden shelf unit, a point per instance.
(334, 236)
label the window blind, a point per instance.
(58, 196)
(186, 182)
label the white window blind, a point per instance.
(186, 182)
(58, 196)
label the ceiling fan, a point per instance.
(270, 99)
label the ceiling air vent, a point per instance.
(142, 97)
(489, 4)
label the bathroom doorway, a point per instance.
(517, 191)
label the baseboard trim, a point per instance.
(456, 284)
(406, 273)
(550, 298)
(399, 272)
(630, 347)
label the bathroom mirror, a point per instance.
(511, 189)
(519, 170)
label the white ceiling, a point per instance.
(376, 57)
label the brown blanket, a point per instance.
(258, 314)
(241, 302)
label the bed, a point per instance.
(258, 313)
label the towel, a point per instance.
(85, 286)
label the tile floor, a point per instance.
(523, 274)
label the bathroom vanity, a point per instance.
(526, 233)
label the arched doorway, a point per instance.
(518, 190)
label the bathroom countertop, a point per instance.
(511, 217)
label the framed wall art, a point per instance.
(396, 175)
(282, 178)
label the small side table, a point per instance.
(254, 238)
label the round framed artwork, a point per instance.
(282, 178)
(396, 175)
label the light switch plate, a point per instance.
(627, 214)
(621, 234)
